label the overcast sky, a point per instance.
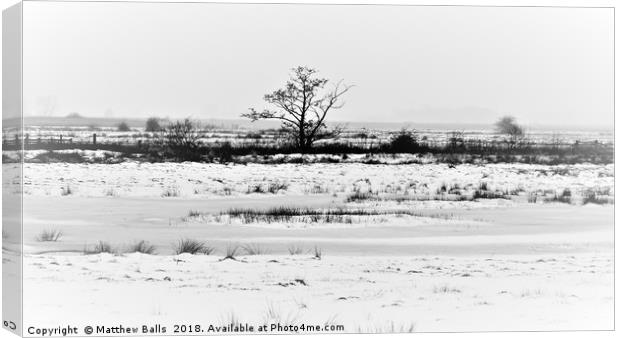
(416, 64)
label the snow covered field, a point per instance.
(375, 248)
(202, 180)
(362, 293)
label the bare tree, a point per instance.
(302, 106)
(182, 139)
(508, 125)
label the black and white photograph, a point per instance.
(225, 168)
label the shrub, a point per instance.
(49, 236)
(456, 140)
(224, 153)
(152, 125)
(508, 125)
(123, 126)
(404, 142)
(182, 140)
(193, 247)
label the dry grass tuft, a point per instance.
(51, 235)
(193, 247)
(142, 247)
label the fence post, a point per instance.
(60, 140)
(94, 138)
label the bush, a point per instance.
(225, 153)
(182, 140)
(123, 126)
(507, 125)
(152, 125)
(456, 140)
(404, 142)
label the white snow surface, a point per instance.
(200, 180)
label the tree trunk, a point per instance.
(302, 139)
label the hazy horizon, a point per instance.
(545, 66)
(137, 121)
